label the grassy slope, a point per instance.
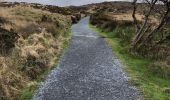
(137, 67)
(28, 92)
(43, 36)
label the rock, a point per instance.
(75, 18)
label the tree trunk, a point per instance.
(140, 32)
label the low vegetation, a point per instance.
(152, 39)
(33, 37)
(150, 74)
(31, 42)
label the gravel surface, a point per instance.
(88, 71)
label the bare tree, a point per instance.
(146, 30)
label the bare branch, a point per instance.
(134, 16)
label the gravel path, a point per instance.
(88, 71)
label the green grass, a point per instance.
(150, 84)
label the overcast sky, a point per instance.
(65, 2)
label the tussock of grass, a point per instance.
(40, 40)
(152, 85)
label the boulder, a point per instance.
(75, 18)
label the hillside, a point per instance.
(31, 42)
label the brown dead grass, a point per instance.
(35, 51)
(128, 17)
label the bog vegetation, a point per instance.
(31, 41)
(140, 36)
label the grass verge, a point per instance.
(152, 86)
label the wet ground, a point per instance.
(88, 71)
